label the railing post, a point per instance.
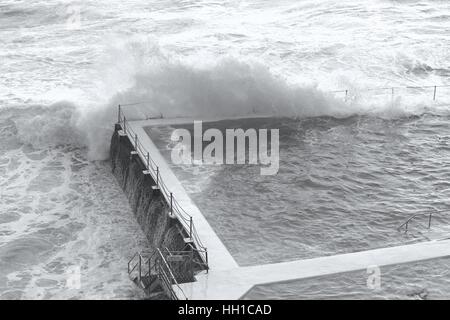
(429, 220)
(406, 227)
(139, 271)
(157, 177)
(434, 94)
(346, 93)
(171, 203)
(136, 141)
(190, 227)
(124, 125)
(148, 161)
(118, 115)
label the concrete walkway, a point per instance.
(234, 283)
(219, 257)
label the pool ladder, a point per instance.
(405, 224)
(153, 272)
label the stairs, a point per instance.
(151, 286)
(160, 272)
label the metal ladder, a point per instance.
(152, 271)
(406, 223)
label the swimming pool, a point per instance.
(343, 185)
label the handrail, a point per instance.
(405, 224)
(392, 89)
(129, 262)
(139, 263)
(201, 251)
(407, 221)
(183, 217)
(169, 278)
(166, 277)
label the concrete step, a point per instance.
(150, 284)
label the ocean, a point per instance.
(65, 66)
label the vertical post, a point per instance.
(118, 115)
(429, 220)
(149, 265)
(135, 142)
(434, 94)
(171, 203)
(148, 161)
(157, 177)
(206, 257)
(139, 269)
(190, 227)
(346, 93)
(406, 227)
(124, 125)
(191, 261)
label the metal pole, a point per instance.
(139, 266)
(118, 115)
(190, 227)
(434, 94)
(429, 220)
(148, 160)
(149, 265)
(124, 124)
(346, 92)
(135, 141)
(171, 203)
(157, 177)
(406, 227)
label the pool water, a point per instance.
(343, 185)
(422, 280)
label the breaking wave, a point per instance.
(157, 84)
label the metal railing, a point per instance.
(175, 208)
(430, 214)
(392, 90)
(406, 223)
(156, 262)
(142, 258)
(167, 278)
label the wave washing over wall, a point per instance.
(227, 88)
(150, 207)
(157, 82)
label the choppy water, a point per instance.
(60, 82)
(423, 280)
(343, 185)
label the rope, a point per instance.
(390, 88)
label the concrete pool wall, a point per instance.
(150, 207)
(226, 279)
